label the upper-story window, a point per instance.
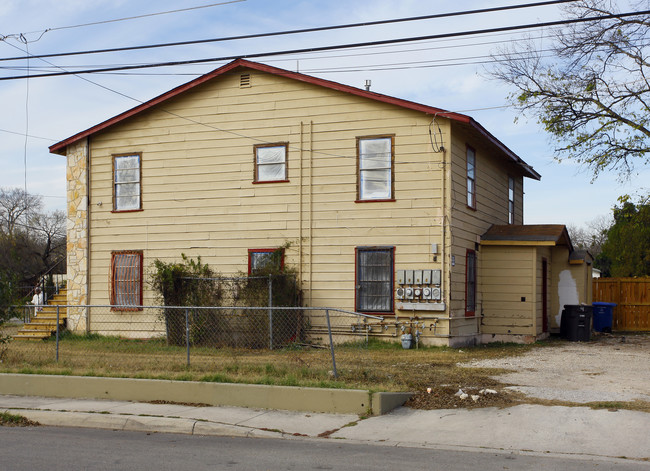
(375, 168)
(511, 200)
(271, 163)
(471, 178)
(127, 188)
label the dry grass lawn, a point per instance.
(377, 367)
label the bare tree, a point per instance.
(50, 232)
(15, 207)
(590, 89)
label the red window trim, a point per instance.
(270, 181)
(514, 199)
(356, 280)
(469, 313)
(471, 206)
(128, 154)
(137, 307)
(392, 200)
(392, 168)
(250, 251)
(286, 162)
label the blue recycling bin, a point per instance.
(603, 316)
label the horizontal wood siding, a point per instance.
(198, 195)
(506, 275)
(467, 224)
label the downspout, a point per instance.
(311, 206)
(300, 186)
(88, 233)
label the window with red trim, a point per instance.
(374, 276)
(271, 163)
(470, 283)
(127, 188)
(264, 260)
(471, 178)
(511, 200)
(126, 281)
(375, 168)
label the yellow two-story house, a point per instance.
(384, 202)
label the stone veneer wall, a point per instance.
(77, 233)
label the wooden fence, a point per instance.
(632, 298)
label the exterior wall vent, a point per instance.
(245, 81)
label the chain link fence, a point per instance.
(65, 333)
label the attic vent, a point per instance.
(245, 81)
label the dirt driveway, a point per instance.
(609, 368)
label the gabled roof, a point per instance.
(60, 147)
(513, 234)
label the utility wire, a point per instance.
(28, 135)
(383, 53)
(125, 19)
(297, 31)
(340, 46)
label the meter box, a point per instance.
(417, 277)
(401, 277)
(435, 277)
(409, 277)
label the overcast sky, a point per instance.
(449, 74)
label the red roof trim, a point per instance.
(59, 147)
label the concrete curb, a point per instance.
(336, 401)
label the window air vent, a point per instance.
(245, 81)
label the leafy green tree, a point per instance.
(626, 252)
(588, 86)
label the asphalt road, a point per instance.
(54, 448)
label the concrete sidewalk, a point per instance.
(566, 431)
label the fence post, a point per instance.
(57, 333)
(270, 312)
(329, 331)
(187, 334)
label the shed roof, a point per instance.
(528, 171)
(531, 234)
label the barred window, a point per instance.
(375, 279)
(126, 281)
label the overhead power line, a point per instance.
(95, 23)
(295, 31)
(336, 47)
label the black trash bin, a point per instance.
(576, 321)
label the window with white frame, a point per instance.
(271, 163)
(511, 200)
(126, 280)
(127, 186)
(375, 164)
(374, 275)
(471, 178)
